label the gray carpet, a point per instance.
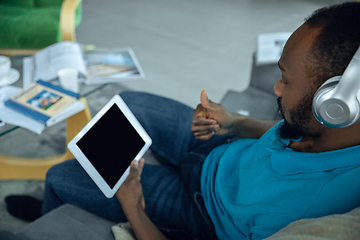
(51, 142)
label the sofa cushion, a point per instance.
(6, 235)
(69, 222)
(46, 3)
(29, 27)
(24, 3)
(33, 24)
(337, 227)
(58, 3)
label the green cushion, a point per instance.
(78, 15)
(46, 3)
(29, 28)
(24, 3)
(49, 3)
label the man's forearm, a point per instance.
(249, 127)
(143, 228)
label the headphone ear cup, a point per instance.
(328, 86)
(330, 109)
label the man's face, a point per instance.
(294, 89)
(300, 116)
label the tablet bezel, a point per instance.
(85, 162)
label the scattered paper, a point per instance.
(28, 71)
(270, 46)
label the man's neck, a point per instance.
(305, 145)
(328, 141)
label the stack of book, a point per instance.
(39, 105)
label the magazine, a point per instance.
(111, 65)
(95, 66)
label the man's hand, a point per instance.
(210, 118)
(131, 198)
(130, 193)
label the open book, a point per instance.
(95, 66)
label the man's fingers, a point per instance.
(206, 130)
(136, 168)
(140, 167)
(203, 122)
(205, 102)
(204, 135)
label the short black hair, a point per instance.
(337, 41)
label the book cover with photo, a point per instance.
(46, 103)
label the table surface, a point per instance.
(17, 63)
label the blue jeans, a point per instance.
(171, 190)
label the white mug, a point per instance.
(5, 65)
(69, 79)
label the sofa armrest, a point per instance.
(336, 226)
(69, 222)
(6, 235)
(67, 19)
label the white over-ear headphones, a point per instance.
(336, 103)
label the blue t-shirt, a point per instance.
(252, 188)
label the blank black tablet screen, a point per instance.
(111, 144)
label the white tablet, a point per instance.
(106, 146)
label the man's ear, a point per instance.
(204, 99)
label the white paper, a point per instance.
(270, 46)
(13, 117)
(28, 71)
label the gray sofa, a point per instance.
(71, 222)
(65, 222)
